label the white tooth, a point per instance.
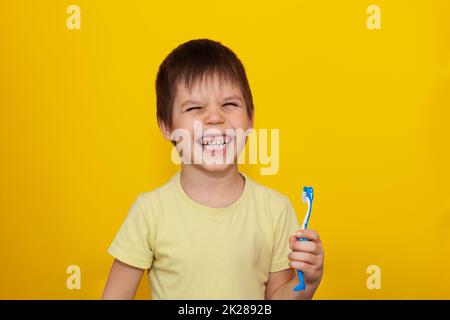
(211, 147)
(215, 144)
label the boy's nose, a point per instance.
(214, 116)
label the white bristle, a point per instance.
(304, 196)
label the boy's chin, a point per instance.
(215, 167)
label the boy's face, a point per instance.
(214, 114)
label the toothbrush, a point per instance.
(307, 196)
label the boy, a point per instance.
(210, 232)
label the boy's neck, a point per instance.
(212, 189)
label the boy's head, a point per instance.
(202, 85)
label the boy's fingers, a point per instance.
(309, 234)
(303, 257)
(307, 246)
(303, 266)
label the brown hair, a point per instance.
(190, 62)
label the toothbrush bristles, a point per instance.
(303, 196)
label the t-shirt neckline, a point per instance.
(228, 210)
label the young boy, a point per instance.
(210, 232)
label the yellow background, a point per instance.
(364, 117)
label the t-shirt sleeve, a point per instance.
(131, 244)
(286, 226)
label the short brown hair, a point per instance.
(190, 62)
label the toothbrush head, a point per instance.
(307, 194)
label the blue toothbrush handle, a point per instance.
(301, 284)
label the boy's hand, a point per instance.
(307, 256)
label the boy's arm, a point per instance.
(123, 281)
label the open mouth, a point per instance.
(214, 143)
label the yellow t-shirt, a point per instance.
(198, 252)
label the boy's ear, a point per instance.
(165, 130)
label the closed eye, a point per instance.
(193, 108)
(232, 104)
